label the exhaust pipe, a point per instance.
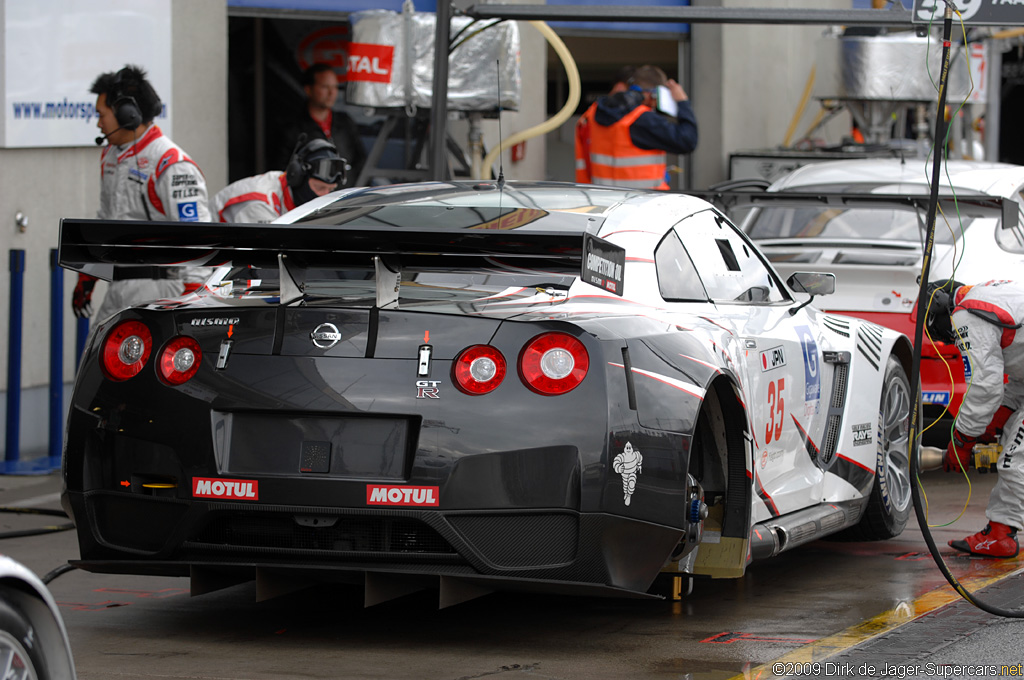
(931, 457)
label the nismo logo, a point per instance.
(216, 321)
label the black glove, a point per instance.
(81, 299)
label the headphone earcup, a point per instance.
(294, 172)
(127, 112)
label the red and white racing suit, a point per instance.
(253, 200)
(989, 352)
(150, 179)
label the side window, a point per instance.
(677, 277)
(728, 265)
(1012, 240)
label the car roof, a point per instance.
(912, 177)
(521, 206)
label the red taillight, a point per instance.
(478, 369)
(126, 350)
(179, 360)
(553, 363)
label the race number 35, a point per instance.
(776, 410)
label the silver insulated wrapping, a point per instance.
(897, 67)
(474, 65)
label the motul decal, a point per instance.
(402, 495)
(233, 489)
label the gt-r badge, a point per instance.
(427, 389)
(629, 464)
(233, 489)
(325, 336)
(402, 495)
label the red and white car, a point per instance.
(864, 221)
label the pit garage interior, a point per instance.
(815, 111)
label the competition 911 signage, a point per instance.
(604, 264)
(52, 53)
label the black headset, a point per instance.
(126, 109)
(297, 168)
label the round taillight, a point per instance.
(179, 360)
(126, 350)
(553, 363)
(478, 369)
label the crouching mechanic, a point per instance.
(984, 322)
(143, 176)
(314, 170)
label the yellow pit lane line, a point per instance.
(884, 623)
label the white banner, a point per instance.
(53, 50)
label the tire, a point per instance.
(20, 651)
(889, 503)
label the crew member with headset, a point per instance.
(143, 176)
(984, 323)
(315, 169)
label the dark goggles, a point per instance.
(330, 170)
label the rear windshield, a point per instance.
(876, 224)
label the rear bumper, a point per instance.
(514, 548)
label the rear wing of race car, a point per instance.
(972, 205)
(117, 249)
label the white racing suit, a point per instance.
(989, 351)
(254, 200)
(150, 179)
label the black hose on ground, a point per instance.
(922, 304)
(38, 530)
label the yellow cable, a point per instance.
(570, 105)
(800, 108)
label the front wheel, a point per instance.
(888, 507)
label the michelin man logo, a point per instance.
(629, 464)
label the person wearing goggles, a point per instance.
(315, 169)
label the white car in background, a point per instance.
(864, 221)
(33, 640)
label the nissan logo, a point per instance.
(325, 336)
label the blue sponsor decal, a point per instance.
(188, 212)
(940, 398)
(812, 377)
(967, 368)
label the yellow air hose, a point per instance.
(558, 118)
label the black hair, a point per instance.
(129, 82)
(310, 74)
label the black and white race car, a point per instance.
(474, 386)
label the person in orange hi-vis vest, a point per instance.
(621, 140)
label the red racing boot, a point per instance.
(995, 540)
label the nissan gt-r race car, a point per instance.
(474, 386)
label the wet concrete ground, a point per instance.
(818, 601)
